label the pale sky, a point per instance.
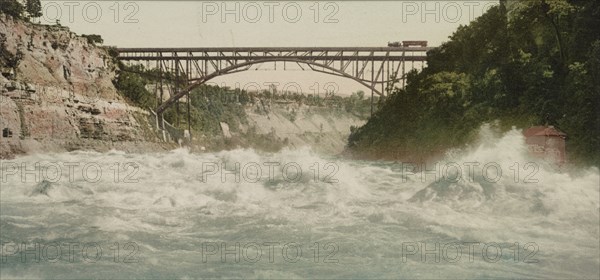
(266, 24)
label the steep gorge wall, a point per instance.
(56, 94)
(324, 129)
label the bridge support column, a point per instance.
(372, 84)
(160, 124)
(372, 94)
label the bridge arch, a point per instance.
(236, 68)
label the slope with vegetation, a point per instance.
(526, 63)
(267, 120)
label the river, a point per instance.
(295, 214)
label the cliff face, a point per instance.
(56, 93)
(324, 129)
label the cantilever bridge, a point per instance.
(372, 67)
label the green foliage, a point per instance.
(7, 59)
(93, 39)
(538, 62)
(360, 94)
(112, 51)
(12, 8)
(212, 105)
(33, 8)
(133, 87)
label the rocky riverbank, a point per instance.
(56, 94)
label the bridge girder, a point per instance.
(199, 65)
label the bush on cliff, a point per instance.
(133, 87)
(12, 8)
(7, 59)
(93, 39)
(34, 8)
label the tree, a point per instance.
(555, 12)
(12, 8)
(93, 39)
(34, 8)
(133, 87)
(360, 94)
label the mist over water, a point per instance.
(169, 215)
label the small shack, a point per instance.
(546, 142)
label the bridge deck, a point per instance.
(301, 53)
(282, 49)
(277, 57)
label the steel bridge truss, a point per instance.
(375, 68)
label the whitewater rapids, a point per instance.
(182, 215)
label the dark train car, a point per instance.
(414, 43)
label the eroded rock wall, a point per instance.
(56, 93)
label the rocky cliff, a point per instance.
(56, 94)
(325, 129)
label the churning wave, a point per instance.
(169, 204)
